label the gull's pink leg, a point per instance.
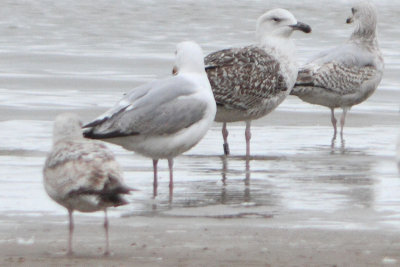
(71, 231)
(248, 137)
(333, 120)
(155, 181)
(107, 250)
(342, 121)
(171, 173)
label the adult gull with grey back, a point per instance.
(81, 174)
(348, 74)
(250, 82)
(163, 118)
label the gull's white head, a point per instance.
(67, 126)
(278, 23)
(188, 58)
(365, 18)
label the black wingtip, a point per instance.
(94, 123)
(115, 134)
(115, 196)
(304, 84)
(211, 67)
(88, 133)
(88, 128)
(118, 200)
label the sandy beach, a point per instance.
(193, 241)
(347, 217)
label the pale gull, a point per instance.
(348, 74)
(163, 118)
(81, 174)
(250, 82)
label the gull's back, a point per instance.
(83, 175)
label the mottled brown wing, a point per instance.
(241, 78)
(76, 168)
(334, 77)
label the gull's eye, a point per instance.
(276, 19)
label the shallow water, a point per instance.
(81, 56)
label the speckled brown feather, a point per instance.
(79, 168)
(334, 77)
(242, 78)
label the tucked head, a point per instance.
(365, 18)
(67, 125)
(279, 23)
(189, 58)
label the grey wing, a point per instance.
(242, 78)
(166, 109)
(124, 103)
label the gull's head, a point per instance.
(279, 23)
(67, 126)
(364, 16)
(188, 58)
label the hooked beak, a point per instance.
(349, 20)
(175, 70)
(300, 26)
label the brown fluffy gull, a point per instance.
(250, 82)
(82, 174)
(163, 118)
(348, 74)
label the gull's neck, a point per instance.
(192, 71)
(67, 134)
(196, 67)
(282, 45)
(60, 139)
(365, 35)
(194, 74)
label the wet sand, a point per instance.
(304, 205)
(193, 241)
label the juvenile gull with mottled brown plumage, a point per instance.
(250, 82)
(348, 74)
(82, 174)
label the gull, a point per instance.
(81, 174)
(250, 82)
(165, 117)
(345, 75)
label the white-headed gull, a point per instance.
(163, 118)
